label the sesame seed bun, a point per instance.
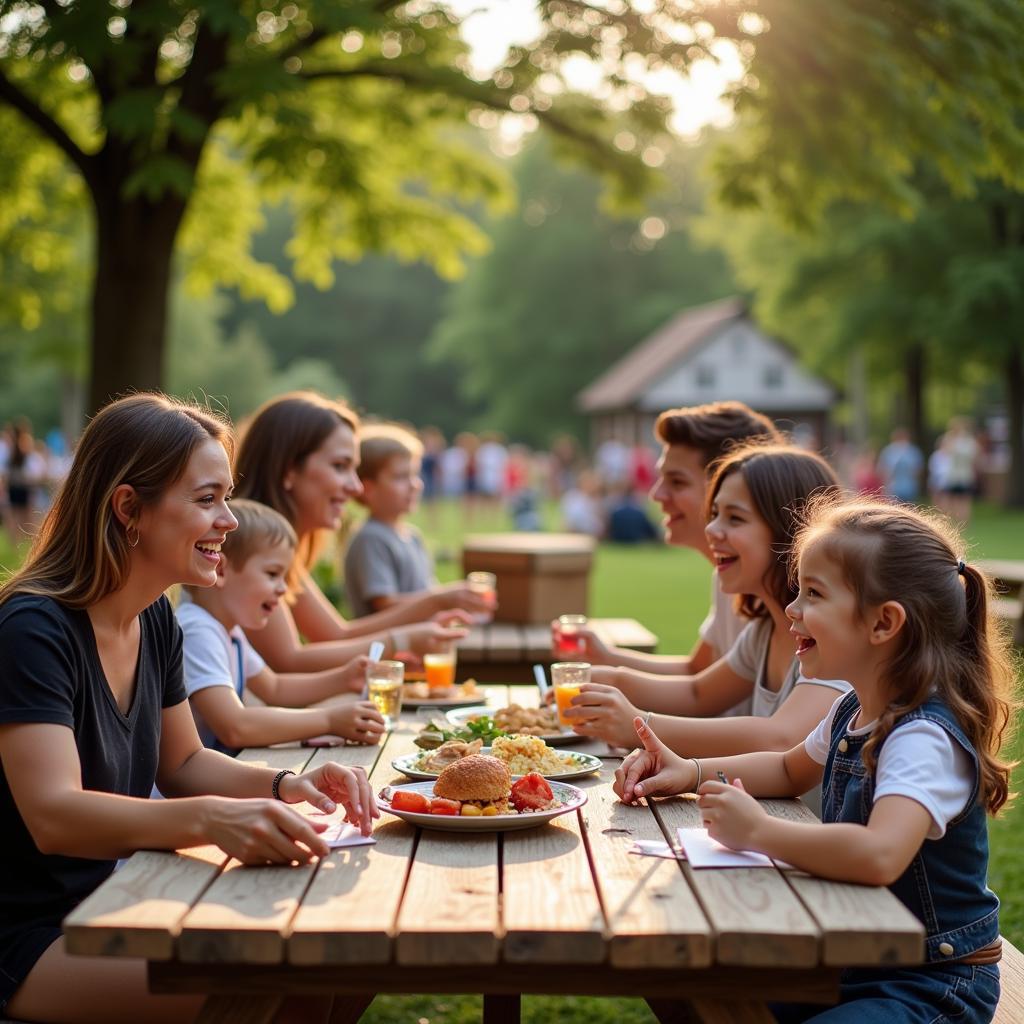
(477, 777)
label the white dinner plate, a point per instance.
(583, 765)
(557, 739)
(571, 797)
(455, 700)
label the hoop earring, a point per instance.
(128, 536)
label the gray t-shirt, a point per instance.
(381, 561)
(720, 630)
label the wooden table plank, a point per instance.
(654, 919)
(504, 642)
(550, 904)
(756, 916)
(625, 633)
(245, 914)
(349, 911)
(449, 914)
(537, 643)
(138, 911)
(473, 645)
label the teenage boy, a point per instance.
(692, 440)
(386, 561)
(219, 664)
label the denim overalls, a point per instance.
(944, 887)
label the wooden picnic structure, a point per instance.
(506, 652)
(1009, 579)
(561, 909)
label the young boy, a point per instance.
(387, 561)
(219, 663)
(692, 440)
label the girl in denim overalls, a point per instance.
(909, 761)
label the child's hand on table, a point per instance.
(352, 675)
(359, 721)
(653, 770)
(731, 815)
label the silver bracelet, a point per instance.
(696, 765)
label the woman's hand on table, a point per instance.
(603, 712)
(332, 784)
(730, 814)
(263, 831)
(653, 770)
(359, 721)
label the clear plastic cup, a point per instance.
(566, 678)
(566, 637)
(384, 687)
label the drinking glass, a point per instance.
(567, 677)
(486, 585)
(384, 686)
(440, 669)
(568, 642)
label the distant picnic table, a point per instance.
(563, 909)
(1008, 575)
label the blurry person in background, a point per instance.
(563, 465)
(900, 464)
(430, 471)
(962, 452)
(583, 506)
(491, 460)
(26, 470)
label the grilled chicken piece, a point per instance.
(451, 751)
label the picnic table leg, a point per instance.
(350, 1007)
(239, 1009)
(501, 1010)
(723, 1011)
(671, 1011)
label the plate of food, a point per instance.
(477, 794)
(522, 754)
(542, 722)
(420, 695)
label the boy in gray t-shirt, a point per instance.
(386, 560)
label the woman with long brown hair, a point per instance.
(299, 454)
(93, 709)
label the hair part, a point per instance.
(714, 429)
(379, 443)
(81, 552)
(781, 480)
(951, 642)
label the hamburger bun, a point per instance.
(476, 777)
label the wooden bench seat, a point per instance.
(1011, 974)
(1011, 609)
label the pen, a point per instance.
(721, 777)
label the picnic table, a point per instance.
(506, 652)
(564, 908)
(1008, 575)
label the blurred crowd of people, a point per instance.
(31, 470)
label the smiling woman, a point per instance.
(93, 709)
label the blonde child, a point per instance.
(752, 513)
(909, 761)
(252, 579)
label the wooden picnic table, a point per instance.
(1008, 575)
(560, 909)
(504, 652)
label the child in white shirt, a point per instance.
(219, 664)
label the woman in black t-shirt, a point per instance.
(93, 710)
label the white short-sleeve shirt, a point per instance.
(919, 760)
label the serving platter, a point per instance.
(556, 739)
(571, 797)
(585, 764)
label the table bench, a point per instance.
(505, 652)
(560, 909)
(1008, 575)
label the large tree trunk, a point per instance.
(1015, 423)
(913, 376)
(134, 251)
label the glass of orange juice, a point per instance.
(439, 667)
(567, 677)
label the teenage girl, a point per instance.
(909, 761)
(93, 711)
(752, 513)
(299, 454)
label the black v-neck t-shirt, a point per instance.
(50, 672)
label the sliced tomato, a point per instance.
(441, 806)
(531, 792)
(409, 800)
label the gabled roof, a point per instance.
(625, 381)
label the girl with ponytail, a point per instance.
(909, 761)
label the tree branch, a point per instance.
(32, 112)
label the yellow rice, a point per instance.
(525, 754)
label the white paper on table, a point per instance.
(653, 848)
(340, 834)
(704, 852)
